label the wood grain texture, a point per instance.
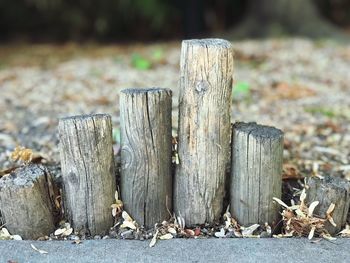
(256, 173)
(206, 69)
(330, 190)
(87, 171)
(26, 203)
(146, 181)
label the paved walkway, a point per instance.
(179, 250)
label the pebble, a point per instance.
(73, 237)
(230, 234)
(129, 234)
(113, 234)
(264, 234)
(97, 237)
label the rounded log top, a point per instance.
(86, 116)
(257, 130)
(145, 90)
(22, 177)
(208, 42)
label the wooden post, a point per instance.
(87, 171)
(146, 181)
(256, 173)
(26, 202)
(206, 69)
(327, 191)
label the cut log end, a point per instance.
(257, 130)
(84, 117)
(208, 42)
(134, 91)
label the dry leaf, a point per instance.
(16, 237)
(312, 232)
(189, 232)
(329, 214)
(5, 232)
(345, 232)
(330, 209)
(197, 231)
(312, 208)
(23, 154)
(248, 231)
(39, 250)
(166, 236)
(328, 237)
(126, 216)
(280, 202)
(59, 231)
(303, 196)
(154, 239)
(172, 230)
(128, 224)
(67, 232)
(221, 233)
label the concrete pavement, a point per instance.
(178, 250)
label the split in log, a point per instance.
(327, 191)
(146, 181)
(87, 171)
(27, 202)
(206, 70)
(256, 173)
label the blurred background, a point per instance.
(292, 61)
(148, 20)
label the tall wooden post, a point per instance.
(87, 171)
(206, 69)
(256, 173)
(146, 181)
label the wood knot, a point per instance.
(202, 86)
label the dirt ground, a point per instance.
(297, 85)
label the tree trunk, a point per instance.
(283, 17)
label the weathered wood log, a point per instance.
(206, 70)
(26, 202)
(256, 173)
(330, 190)
(87, 171)
(146, 181)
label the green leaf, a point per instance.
(241, 88)
(137, 61)
(116, 135)
(157, 54)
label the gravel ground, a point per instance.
(297, 85)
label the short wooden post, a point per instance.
(146, 181)
(26, 203)
(256, 173)
(206, 69)
(327, 191)
(87, 171)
